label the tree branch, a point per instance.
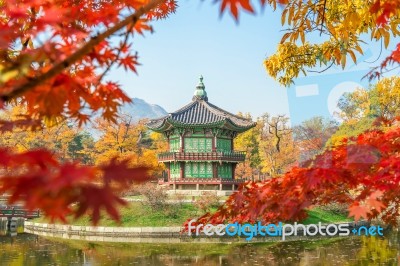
(84, 50)
(323, 18)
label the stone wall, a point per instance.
(145, 234)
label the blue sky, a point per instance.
(197, 41)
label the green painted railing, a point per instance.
(191, 180)
(19, 213)
(236, 156)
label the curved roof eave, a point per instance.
(238, 128)
(169, 123)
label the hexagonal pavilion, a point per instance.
(200, 136)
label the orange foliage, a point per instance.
(54, 61)
(40, 181)
(363, 172)
(384, 9)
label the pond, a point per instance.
(28, 249)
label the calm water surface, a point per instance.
(28, 249)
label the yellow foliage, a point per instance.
(127, 139)
(388, 97)
(56, 137)
(249, 143)
(340, 24)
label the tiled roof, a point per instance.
(199, 113)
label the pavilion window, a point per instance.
(198, 144)
(198, 170)
(188, 169)
(174, 170)
(174, 145)
(225, 171)
(224, 145)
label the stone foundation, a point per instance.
(220, 193)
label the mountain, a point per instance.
(140, 109)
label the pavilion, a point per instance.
(200, 136)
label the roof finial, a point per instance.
(201, 84)
(200, 93)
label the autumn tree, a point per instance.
(365, 109)
(63, 139)
(311, 136)
(354, 106)
(385, 98)
(82, 148)
(277, 149)
(117, 138)
(127, 139)
(249, 143)
(158, 141)
(381, 100)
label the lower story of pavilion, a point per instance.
(200, 176)
(201, 183)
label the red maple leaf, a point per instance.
(129, 62)
(373, 202)
(358, 211)
(235, 5)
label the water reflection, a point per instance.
(27, 249)
(17, 227)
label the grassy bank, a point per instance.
(317, 215)
(138, 214)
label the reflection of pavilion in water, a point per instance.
(12, 217)
(11, 226)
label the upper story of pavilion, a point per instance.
(201, 131)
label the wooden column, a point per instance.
(182, 172)
(233, 170)
(214, 143)
(215, 170)
(182, 141)
(169, 171)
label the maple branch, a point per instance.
(124, 44)
(84, 50)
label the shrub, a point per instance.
(207, 201)
(133, 190)
(155, 197)
(179, 199)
